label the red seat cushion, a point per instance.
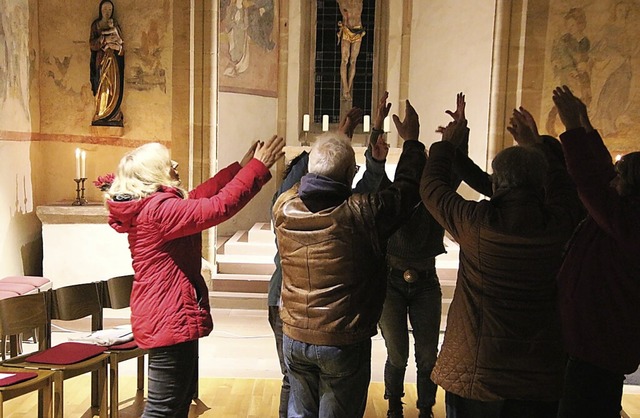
(5, 294)
(67, 353)
(19, 288)
(129, 345)
(16, 377)
(36, 281)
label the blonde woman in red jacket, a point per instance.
(169, 299)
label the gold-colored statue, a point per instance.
(107, 67)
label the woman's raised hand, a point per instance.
(270, 151)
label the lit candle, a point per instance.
(618, 157)
(325, 123)
(305, 123)
(77, 163)
(83, 158)
(366, 123)
(387, 124)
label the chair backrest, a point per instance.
(117, 292)
(24, 314)
(76, 302)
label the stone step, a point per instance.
(241, 244)
(237, 300)
(262, 232)
(243, 283)
(243, 264)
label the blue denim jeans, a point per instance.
(459, 407)
(422, 301)
(276, 326)
(172, 380)
(590, 391)
(327, 381)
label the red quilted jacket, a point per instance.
(169, 299)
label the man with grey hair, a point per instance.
(502, 353)
(332, 249)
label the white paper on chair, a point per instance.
(111, 336)
(6, 375)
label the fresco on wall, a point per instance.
(15, 65)
(248, 50)
(594, 48)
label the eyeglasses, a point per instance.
(174, 165)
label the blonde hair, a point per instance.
(332, 156)
(144, 171)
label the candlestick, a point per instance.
(80, 199)
(325, 123)
(83, 159)
(386, 126)
(366, 123)
(77, 163)
(305, 123)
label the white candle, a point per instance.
(387, 124)
(83, 158)
(305, 123)
(325, 123)
(366, 123)
(77, 163)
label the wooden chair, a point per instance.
(16, 317)
(38, 380)
(116, 294)
(66, 360)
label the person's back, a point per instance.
(598, 282)
(503, 339)
(331, 244)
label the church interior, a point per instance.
(197, 81)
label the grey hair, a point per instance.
(519, 167)
(332, 156)
(144, 171)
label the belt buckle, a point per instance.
(410, 275)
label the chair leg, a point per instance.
(58, 396)
(103, 390)
(113, 386)
(45, 403)
(141, 373)
(94, 389)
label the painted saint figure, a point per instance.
(614, 54)
(571, 61)
(350, 34)
(107, 67)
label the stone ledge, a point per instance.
(65, 213)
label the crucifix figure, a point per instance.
(350, 33)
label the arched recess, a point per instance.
(307, 56)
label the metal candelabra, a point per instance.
(80, 200)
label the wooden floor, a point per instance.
(229, 398)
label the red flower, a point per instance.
(104, 182)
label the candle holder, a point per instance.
(305, 139)
(80, 200)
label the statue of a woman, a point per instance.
(107, 67)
